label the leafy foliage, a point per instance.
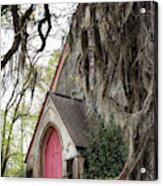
(52, 64)
(21, 131)
(106, 154)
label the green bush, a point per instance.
(106, 154)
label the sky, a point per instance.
(54, 41)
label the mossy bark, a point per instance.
(112, 66)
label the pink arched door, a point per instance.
(53, 156)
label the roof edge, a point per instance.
(65, 96)
(36, 127)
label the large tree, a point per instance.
(113, 59)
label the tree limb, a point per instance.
(17, 29)
(48, 19)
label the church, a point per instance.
(60, 135)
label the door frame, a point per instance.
(43, 143)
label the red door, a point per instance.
(53, 158)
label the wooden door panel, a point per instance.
(53, 158)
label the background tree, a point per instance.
(26, 73)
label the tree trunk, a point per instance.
(111, 64)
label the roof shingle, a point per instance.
(73, 116)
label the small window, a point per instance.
(70, 168)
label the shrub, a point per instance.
(106, 154)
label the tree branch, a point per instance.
(17, 29)
(48, 19)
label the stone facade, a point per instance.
(51, 118)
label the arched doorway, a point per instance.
(53, 156)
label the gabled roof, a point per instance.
(73, 116)
(73, 109)
(54, 81)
